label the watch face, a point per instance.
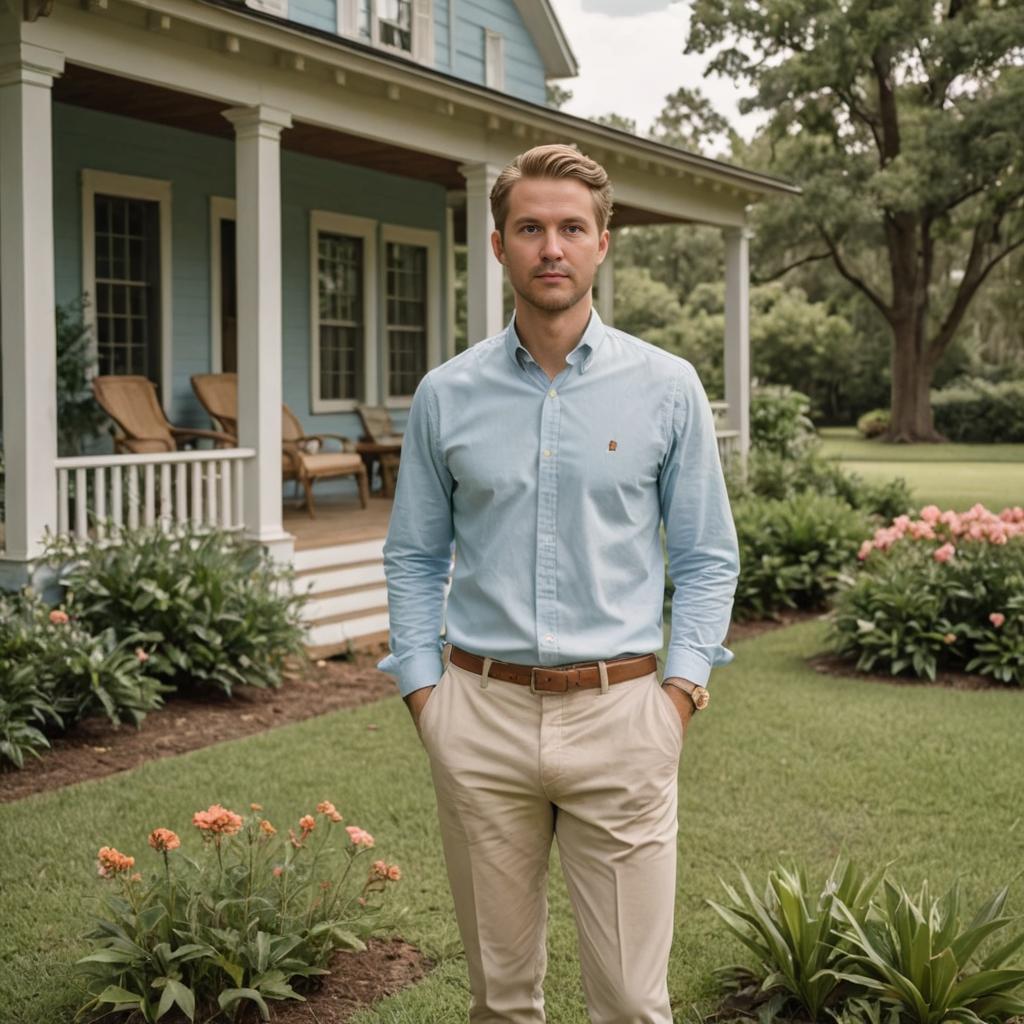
(701, 697)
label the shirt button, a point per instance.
(547, 452)
(552, 393)
(549, 638)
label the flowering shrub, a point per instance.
(944, 590)
(54, 671)
(252, 918)
(220, 613)
(792, 551)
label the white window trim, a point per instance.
(279, 8)
(130, 187)
(431, 240)
(421, 28)
(366, 229)
(221, 208)
(494, 60)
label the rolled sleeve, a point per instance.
(703, 555)
(417, 551)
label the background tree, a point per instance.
(901, 119)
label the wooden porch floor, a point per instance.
(338, 521)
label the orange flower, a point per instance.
(163, 839)
(59, 618)
(950, 638)
(255, 807)
(267, 829)
(278, 871)
(307, 823)
(294, 839)
(217, 821)
(359, 836)
(111, 862)
(136, 877)
(379, 869)
(394, 873)
(327, 808)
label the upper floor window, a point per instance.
(404, 25)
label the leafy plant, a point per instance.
(78, 415)
(779, 421)
(54, 672)
(915, 954)
(873, 423)
(218, 611)
(792, 931)
(251, 919)
(792, 551)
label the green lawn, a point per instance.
(949, 475)
(786, 763)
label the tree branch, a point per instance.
(790, 266)
(856, 280)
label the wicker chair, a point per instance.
(142, 427)
(382, 444)
(301, 457)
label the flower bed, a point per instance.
(250, 918)
(944, 590)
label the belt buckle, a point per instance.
(533, 682)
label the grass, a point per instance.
(786, 763)
(949, 475)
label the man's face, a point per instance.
(551, 246)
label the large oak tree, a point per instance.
(903, 120)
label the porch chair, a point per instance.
(301, 457)
(131, 402)
(380, 443)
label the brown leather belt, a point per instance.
(581, 676)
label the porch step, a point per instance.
(344, 600)
(346, 628)
(346, 577)
(317, 559)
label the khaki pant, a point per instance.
(598, 771)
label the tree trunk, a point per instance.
(912, 371)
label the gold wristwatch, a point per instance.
(697, 693)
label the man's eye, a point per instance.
(574, 228)
(530, 228)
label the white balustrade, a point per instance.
(98, 495)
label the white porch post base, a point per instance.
(27, 321)
(737, 334)
(258, 212)
(485, 314)
(606, 284)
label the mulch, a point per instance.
(834, 665)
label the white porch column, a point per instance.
(606, 284)
(737, 333)
(27, 320)
(258, 212)
(484, 313)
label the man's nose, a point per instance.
(552, 248)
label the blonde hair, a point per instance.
(553, 161)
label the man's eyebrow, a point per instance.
(527, 219)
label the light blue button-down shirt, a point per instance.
(553, 492)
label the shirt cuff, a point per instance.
(418, 670)
(687, 664)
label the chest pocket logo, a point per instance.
(613, 445)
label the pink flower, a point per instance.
(394, 873)
(945, 553)
(931, 513)
(327, 808)
(59, 618)
(141, 654)
(278, 871)
(359, 836)
(997, 619)
(307, 823)
(865, 549)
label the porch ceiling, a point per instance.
(98, 90)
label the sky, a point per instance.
(630, 56)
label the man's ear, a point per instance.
(602, 246)
(498, 247)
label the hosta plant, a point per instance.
(221, 612)
(916, 954)
(251, 917)
(792, 932)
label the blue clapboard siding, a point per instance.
(198, 167)
(524, 70)
(321, 14)
(442, 51)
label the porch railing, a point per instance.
(728, 439)
(98, 495)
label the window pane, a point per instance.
(406, 316)
(340, 293)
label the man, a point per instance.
(550, 454)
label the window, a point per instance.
(343, 300)
(403, 25)
(126, 262)
(411, 299)
(494, 59)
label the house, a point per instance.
(281, 187)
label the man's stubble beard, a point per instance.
(552, 303)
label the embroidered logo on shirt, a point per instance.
(612, 445)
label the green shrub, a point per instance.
(874, 423)
(980, 411)
(246, 921)
(843, 953)
(219, 611)
(793, 933)
(942, 592)
(793, 551)
(54, 672)
(779, 421)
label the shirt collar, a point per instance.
(584, 352)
